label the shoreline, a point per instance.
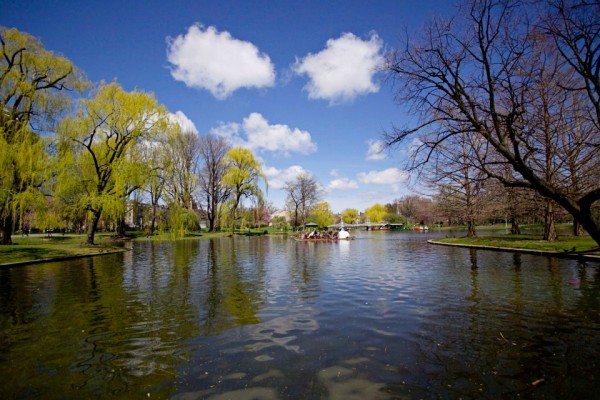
(549, 253)
(61, 258)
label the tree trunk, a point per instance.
(153, 219)
(6, 229)
(211, 214)
(233, 212)
(121, 227)
(587, 222)
(577, 228)
(471, 228)
(93, 226)
(515, 229)
(211, 222)
(549, 223)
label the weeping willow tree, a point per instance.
(182, 220)
(98, 150)
(34, 92)
(127, 181)
(243, 174)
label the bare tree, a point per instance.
(156, 162)
(212, 191)
(477, 75)
(184, 163)
(415, 209)
(302, 194)
(459, 180)
(574, 27)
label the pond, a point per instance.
(385, 316)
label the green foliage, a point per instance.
(350, 215)
(182, 221)
(376, 213)
(242, 177)
(394, 218)
(100, 159)
(280, 223)
(34, 86)
(321, 214)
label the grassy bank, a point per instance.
(42, 247)
(564, 244)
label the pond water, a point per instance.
(386, 316)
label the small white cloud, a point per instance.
(261, 136)
(334, 172)
(344, 70)
(390, 176)
(205, 58)
(229, 131)
(278, 177)
(186, 124)
(376, 150)
(342, 184)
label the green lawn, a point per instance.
(41, 247)
(565, 243)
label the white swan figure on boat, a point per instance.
(343, 233)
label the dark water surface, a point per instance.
(386, 316)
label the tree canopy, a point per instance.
(376, 213)
(350, 215)
(34, 86)
(243, 173)
(321, 214)
(97, 146)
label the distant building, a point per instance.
(282, 213)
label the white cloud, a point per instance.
(376, 150)
(278, 177)
(231, 131)
(205, 58)
(261, 136)
(390, 176)
(342, 184)
(343, 70)
(186, 124)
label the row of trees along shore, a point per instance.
(73, 153)
(508, 95)
(446, 209)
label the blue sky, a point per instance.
(295, 81)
